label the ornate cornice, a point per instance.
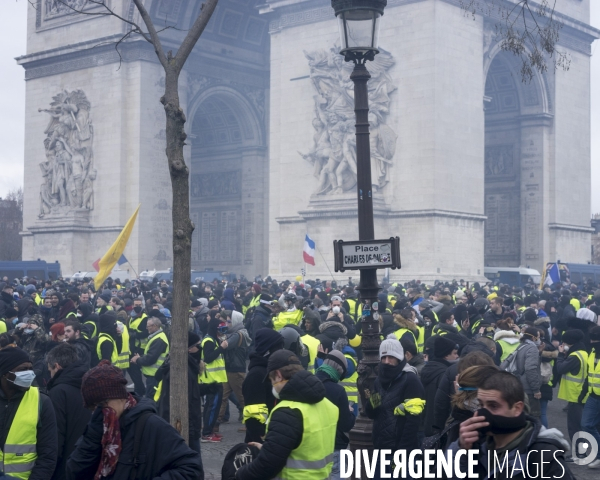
(570, 228)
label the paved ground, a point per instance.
(214, 453)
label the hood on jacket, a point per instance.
(303, 387)
(228, 294)
(386, 324)
(432, 370)
(236, 318)
(71, 375)
(333, 329)
(23, 307)
(315, 319)
(402, 322)
(477, 347)
(507, 335)
(86, 310)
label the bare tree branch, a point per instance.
(526, 29)
(158, 48)
(193, 35)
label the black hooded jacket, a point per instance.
(431, 375)
(177, 462)
(64, 389)
(194, 398)
(257, 390)
(286, 428)
(6, 301)
(391, 431)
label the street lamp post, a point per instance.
(358, 22)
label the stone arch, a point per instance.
(228, 181)
(517, 117)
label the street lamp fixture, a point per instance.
(358, 22)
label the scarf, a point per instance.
(111, 440)
(388, 373)
(329, 370)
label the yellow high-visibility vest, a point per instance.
(355, 309)
(19, 453)
(313, 459)
(421, 339)
(349, 383)
(215, 370)
(150, 370)
(285, 318)
(123, 360)
(571, 385)
(507, 348)
(135, 327)
(313, 348)
(594, 373)
(114, 356)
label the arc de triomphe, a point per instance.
(471, 166)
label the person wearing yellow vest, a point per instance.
(107, 347)
(352, 305)
(290, 314)
(123, 360)
(138, 339)
(591, 412)
(155, 353)
(331, 373)
(572, 365)
(212, 380)
(102, 303)
(27, 422)
(507, 341)
(301, 429)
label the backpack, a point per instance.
(239, 455)
(510, 363)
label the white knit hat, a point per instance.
(391, 348)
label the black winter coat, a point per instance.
(391, 431)
(64, 389)
(257, 390)
(46, 432)
(6, 301)
(431, 375)
(337, 395)
(163, 454)
(261, 318)
(286, 428)
(194, 398)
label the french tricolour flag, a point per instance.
(309, 251)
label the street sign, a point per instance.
(367, 254)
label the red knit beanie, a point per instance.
(101, 383)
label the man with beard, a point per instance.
(83, 346)
(396, 402)
(27, 422)
(510, 433)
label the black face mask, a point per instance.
(500, 425)
(137, 309)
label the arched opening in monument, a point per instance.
(228, 183)
(502, 165)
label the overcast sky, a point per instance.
(12, 88)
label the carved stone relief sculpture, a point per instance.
(68, 168)
(333, 153)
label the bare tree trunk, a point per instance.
(182, 253)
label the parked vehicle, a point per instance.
(513, 276)
(40, 269)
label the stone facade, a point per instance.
(471, 167)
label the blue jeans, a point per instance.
(335, 471)
(544, 409)
(591, 418)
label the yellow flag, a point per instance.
(110, 258)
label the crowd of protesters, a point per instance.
(86, 374)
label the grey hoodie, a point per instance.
(238, 342)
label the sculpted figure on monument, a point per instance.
(333, 152)
(68, 172)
